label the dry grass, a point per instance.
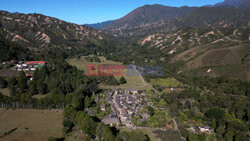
(208, 56)
(147, 131)
(8, 72)
(132, 81)
(5, 91)
(32, 125)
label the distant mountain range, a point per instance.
(148, 14)
(99, 25)
(241, 4)
(154, 18)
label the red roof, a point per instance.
(35, 62)
(29, 75)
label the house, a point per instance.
(134, 91)
(204, 129)
(29, 76)
(35, 63)
(112, 121)
(19, 65)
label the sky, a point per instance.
(89, 11)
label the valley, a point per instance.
(157, 73)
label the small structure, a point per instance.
(204, 129)
(34, 63)
(112, 121)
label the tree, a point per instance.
(41, 87)
(87, 102)
(87, 125)
(220, 130)
(104, 133)
(241, 137)
(229, 135)
(193, 137)
(248, 91)
(3, 83)
(240, 113)
(122, 80)
(12, 81)
(69, 113)
(99, 131)
(32, 88)
(22, 81)
(215, 113)
(131, 136)
(67, 126)
(150, 110)
(162, 103)
(77, 102)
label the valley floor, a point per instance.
(30, 124)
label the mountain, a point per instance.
(157, 18)
(99, 25)
(208, 17)
(241, 4)
(40, 31)
(148, 15)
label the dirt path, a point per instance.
(176, 127)
(144, 83)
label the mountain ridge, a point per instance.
(35, 30)
(100, 24)
(148, 18)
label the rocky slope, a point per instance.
(36, 30)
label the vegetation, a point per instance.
(220, 102)
(122, 80)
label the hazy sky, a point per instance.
(89, 11)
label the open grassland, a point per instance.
(136, 82)
(147, 131)
(8, 72)
(207, 55)
(30, 125)
(5, 91)
(168, 82)
(211, 61)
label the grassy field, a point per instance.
(5, 91)
(132, 81)
(207, 55)
(147, 131)
(39, 96)
(168, 82)
(30, 125)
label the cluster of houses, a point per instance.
(29, 67)
(125, 104)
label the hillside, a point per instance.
(148, 15)
(36, 30)
(183, 39)
(215, 60)
(241, 4)
(156, 18)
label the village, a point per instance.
(125, 104)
